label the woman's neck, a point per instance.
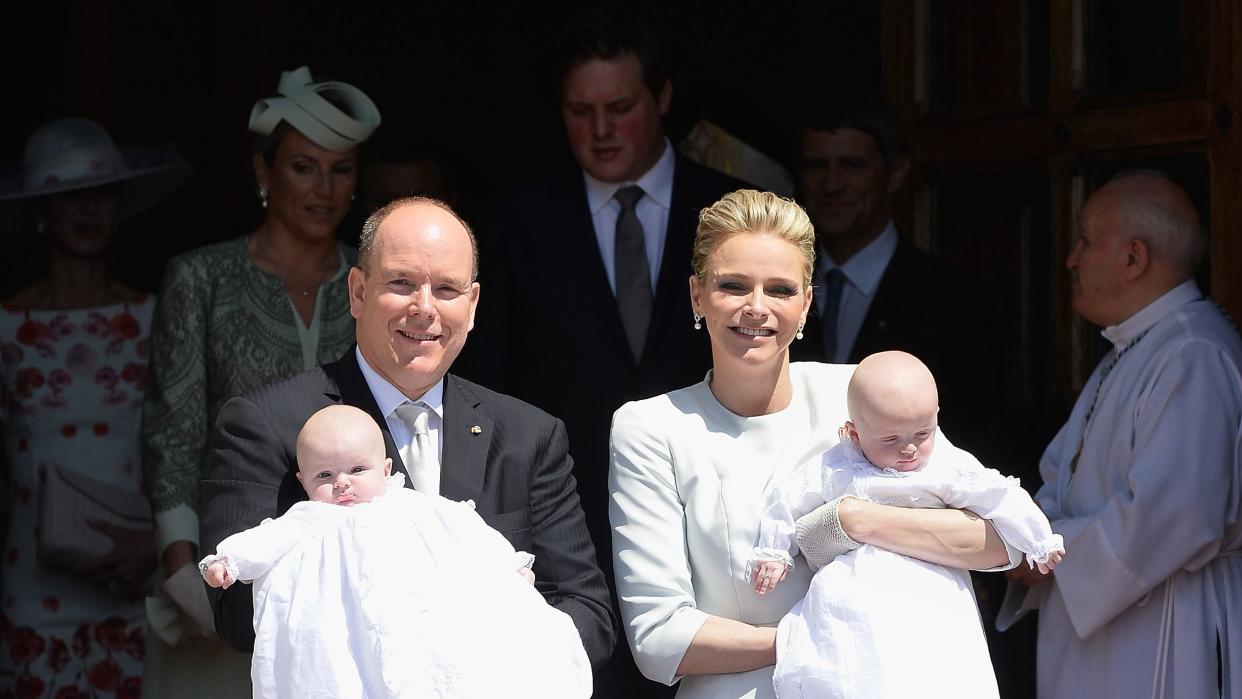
(751, 391)
(78, 282)
(298, 261)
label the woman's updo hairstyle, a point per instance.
(752, 211)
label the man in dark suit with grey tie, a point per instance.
(589, 304)
(414, 297)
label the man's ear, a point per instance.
(1138, 258)
(474, 304)
(664, 99)
(357, 286)
(897, 174)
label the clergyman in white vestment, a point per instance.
(1143, 479)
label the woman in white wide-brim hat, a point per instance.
(72, 370)
(237, 315)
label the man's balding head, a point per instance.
(1152, 207)
(413, 294)
(370, 228)
(1140, 237)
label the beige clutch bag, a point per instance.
(67, 502)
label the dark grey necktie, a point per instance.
(834, 283)
(633, 275)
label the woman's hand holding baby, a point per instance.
(767, 574)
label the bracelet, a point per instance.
(820, 536)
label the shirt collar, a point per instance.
(1125, 331)
(657, 183)
(865, 268)
(388, 397)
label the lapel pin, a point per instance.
(475, 429)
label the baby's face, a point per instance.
(892, 440)
(344, 474)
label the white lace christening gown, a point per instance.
(409, 595)
(876, 624)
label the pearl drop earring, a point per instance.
(698, 325)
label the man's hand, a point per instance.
(766, 575)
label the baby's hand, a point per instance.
(767, 574)
(528, 574)
(218, 576)
(1054, 558)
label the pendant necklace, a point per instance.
(283, 280)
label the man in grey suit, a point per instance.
(413, 296)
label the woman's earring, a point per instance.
(263, 197)
(698, 324)
(798, 336)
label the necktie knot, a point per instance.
(628, 196)
(414, 415)
(834, 281)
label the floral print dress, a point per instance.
(71, 390)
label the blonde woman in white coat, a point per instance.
(690, 468)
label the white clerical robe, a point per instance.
(1150, 591)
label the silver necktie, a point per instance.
(418, 455)
(633, 274)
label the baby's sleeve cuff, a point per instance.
(1044, 549)
(229, 566)
(763, 554)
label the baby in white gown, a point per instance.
(875, 623)
(371, 589)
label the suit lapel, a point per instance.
(673, 283)
(579, 254)
(892, 293)
(354, 391)
(466, 438)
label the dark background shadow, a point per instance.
(475, 83)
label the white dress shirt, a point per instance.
(863, 272)
(389, 398)
(652, 211)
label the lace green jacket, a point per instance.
(222, 327)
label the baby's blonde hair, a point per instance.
(752, 211)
